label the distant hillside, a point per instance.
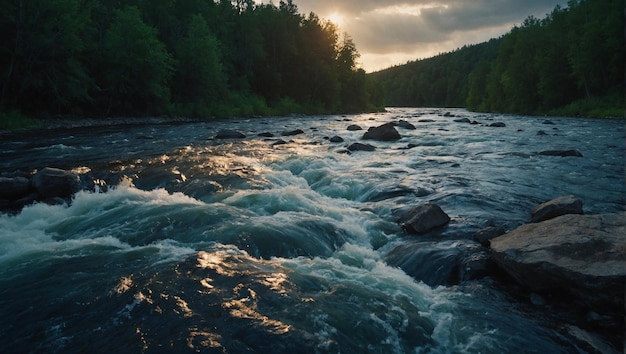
(571, 63)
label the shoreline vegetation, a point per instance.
(70, 59)
(571, 63)
(197, 59)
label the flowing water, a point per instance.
(186, 243)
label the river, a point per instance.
(189, 243)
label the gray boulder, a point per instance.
(385, 132)
(568, 204)
(54, 182)
(14, 187)
(406, 125)
(423, 218)
(354, 127)
(580, 256)
(336, 139)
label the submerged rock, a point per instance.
(423, 218)
(561, 153)
(568, 204)
(462, 120)
(54, 182)
(580, 256)
(292, 132)
(385, 132)
(497, 125)
(229, 134)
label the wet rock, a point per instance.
(448, 114)
(547, 121)
(443, 263)
(336, 139)
(54, 182)
(561, 153)
(292, 132)
(488, 233)
(575, 257)
(385, 132)
(279, 142)
(354, 127)
(406, 125)
(541, 132)
(14, 187)
(361, 147)
(229, 134)
(423, 218)
(266, 135)
(497, 125)
(426, 120)
(568, 204)
(462, 120)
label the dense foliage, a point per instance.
(571, 62)
(179, 57)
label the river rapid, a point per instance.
(185, 243)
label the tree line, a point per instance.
(200, 58)
(571, 62)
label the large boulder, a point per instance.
(54, 182)
(385, 132)
(361, 147)
(580, 257)
(14, 187)
(423, 218)
(568, 204)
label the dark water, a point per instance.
(192, 244)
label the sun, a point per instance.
(336, 18)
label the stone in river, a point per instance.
(354, 127)
(423, 218)
(568, 204)
(561, 153)
(54, 182)
(361, 147)
(14, 187)
(498, 125)
(385, 132)
(580, 257)
(292, 132)
(229, 134)
(336, 139)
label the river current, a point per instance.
(187, 243)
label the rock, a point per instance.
(406, 125)
(361, 147)
(581, 257)
(54, 182)
(266, 135)
(497, 125)
(541, 132)
(423, 219)
(292, 132)
(462, 120)
(336, 139)
(229, 134)
(14, 187)
(385, 132)
(354, 127)
(561, 153)
(485, 235)
(556, 207)
(448, 114)
(279, 142)
(426, 120)
(547, 121)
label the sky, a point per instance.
(392, 32)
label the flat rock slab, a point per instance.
(581, 255)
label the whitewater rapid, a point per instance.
(202, 244)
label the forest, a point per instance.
(569, 63)
(195, 58)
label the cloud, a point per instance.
(390, 31)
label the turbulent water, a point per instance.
(187, 243)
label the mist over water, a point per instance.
(191, 243)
